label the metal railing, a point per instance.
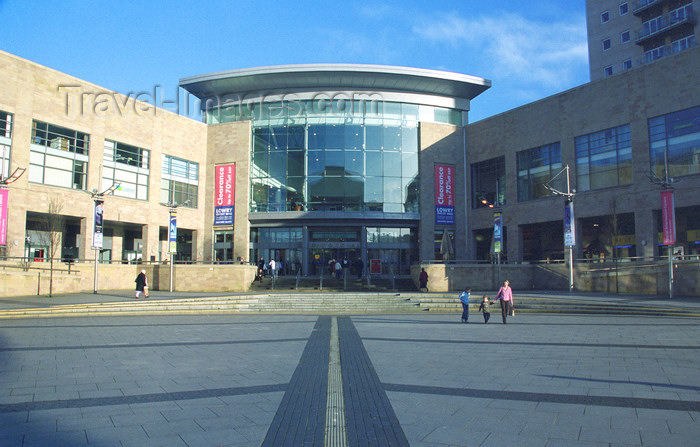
(664, 23)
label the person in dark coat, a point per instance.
(141, 284)
(423, 280)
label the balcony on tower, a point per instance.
(663, 24)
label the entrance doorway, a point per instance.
(319, 258)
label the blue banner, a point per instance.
(172, 233)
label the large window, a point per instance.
(5, 142)
(58, 156)
(335, 166)
(179, 182)
(604, 159)
(536, 167)
(128, 166)
(674, 141)
(489, 183)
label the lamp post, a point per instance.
(569, 221)
(98, 215)
(497, 229)
(172, 232)
(668, 216)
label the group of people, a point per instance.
(273, 268)
(504, 295)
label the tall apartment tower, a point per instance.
(626, 34)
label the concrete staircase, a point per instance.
(444, 303)
(350, 284)
(353, 303)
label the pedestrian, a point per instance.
(360, 268)
(273, 266)
(505, 295)
(331, 267)
(423, 280)
(485, 308)
(261, 269)
(338, 269)
(141, 284)
(464, 299)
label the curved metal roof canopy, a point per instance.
(324, 77)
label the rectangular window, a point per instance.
(652, 55)
(5, 142)
(625, 36)
(683, 44)
(627, 64)
(179, 182)
(674, 142)
(536, 167)
(58, 156)
(489, 183)
(606, 44)
(624, 8)
(604, 159)
(605, 17)
(127, 165)
(608, 71)
(62, 138)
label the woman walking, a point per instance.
(505, 295)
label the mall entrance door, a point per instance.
(320, 258)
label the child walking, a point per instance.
(485, 308)
(464, 299)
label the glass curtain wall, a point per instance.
(337, 161)
(674, 141)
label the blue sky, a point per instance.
(528, 49)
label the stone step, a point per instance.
(338, 303)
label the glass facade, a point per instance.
(179, 182)
(58, 156)
(674, 142)
(360, 157)
(489, 183)
(536, 167)
(604, 159)
(336, 162)
(127, 165)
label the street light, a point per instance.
(569, 222)
(667, 215)
(172, 232)
(98, 213)
(13, 178)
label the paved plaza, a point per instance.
(415, 379)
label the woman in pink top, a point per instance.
(505, 295)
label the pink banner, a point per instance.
(444, 195)
(225, 177)
(668, 215)
(4, 193)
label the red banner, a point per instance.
(225, 178)
(444, 195)
(4, 193)
(668, 215)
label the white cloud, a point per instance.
(510, 46)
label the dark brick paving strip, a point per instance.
(370, 418)
(606, 401)
(301, 416)
(139, 398)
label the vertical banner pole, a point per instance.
(668, 216)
